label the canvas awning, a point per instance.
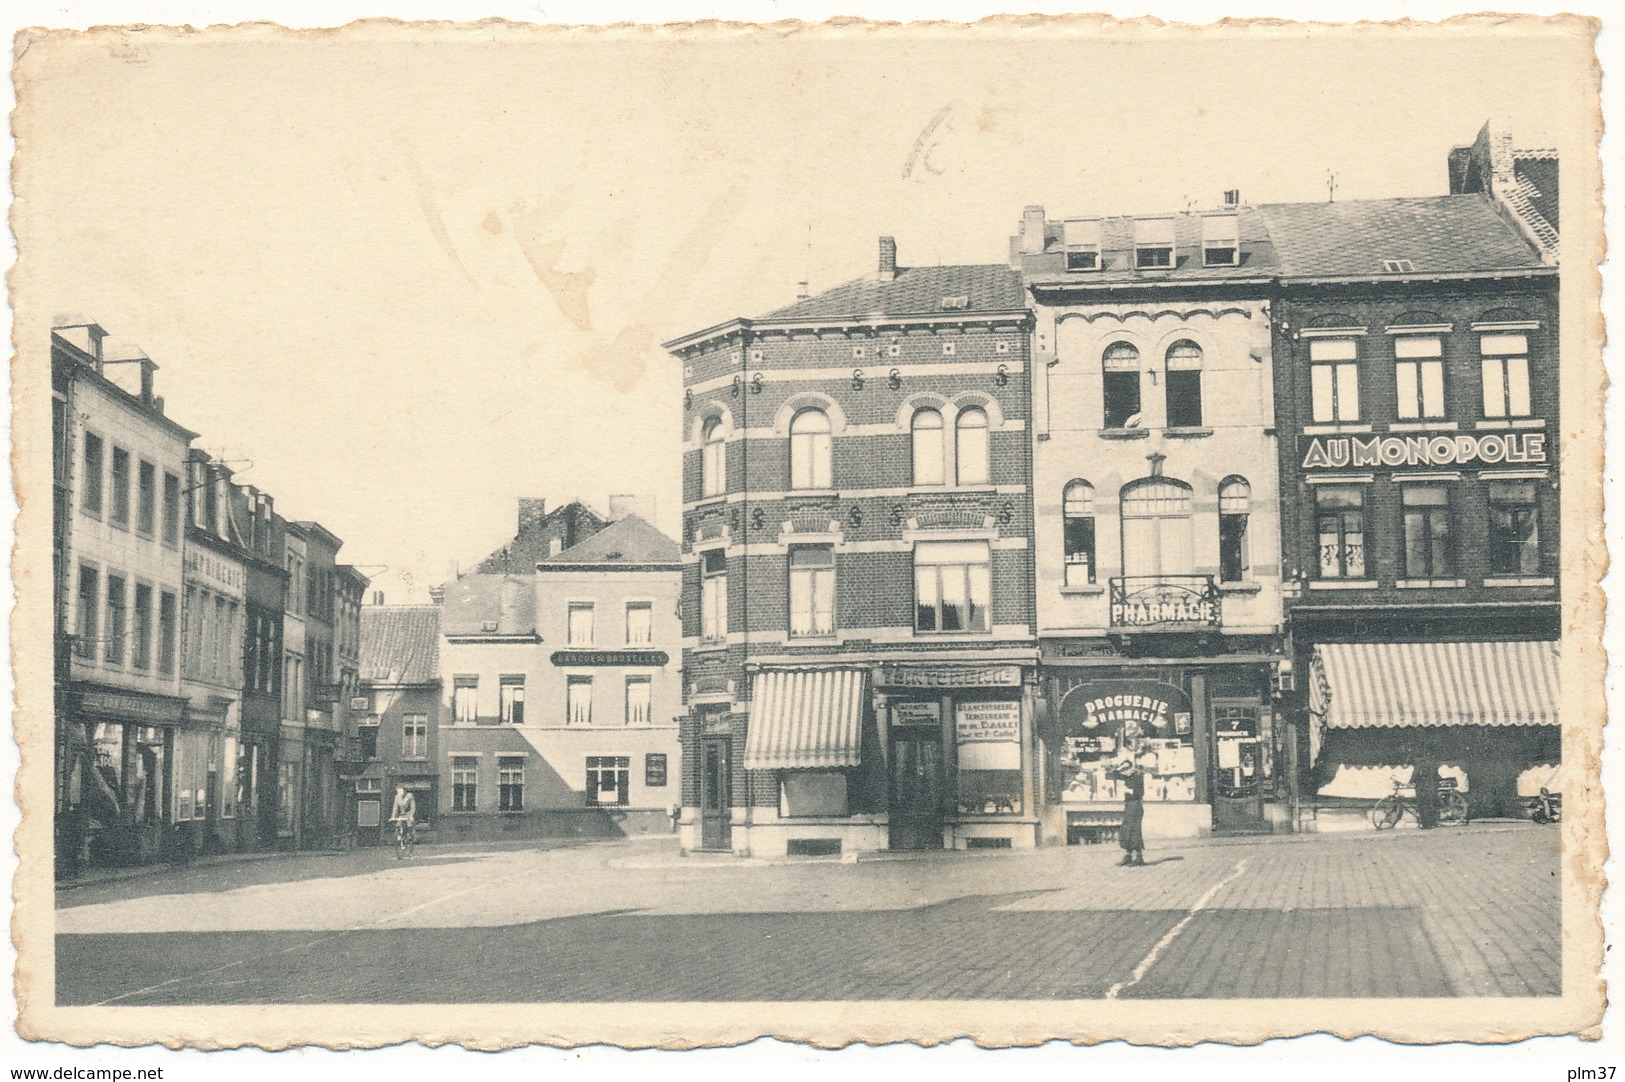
(1425, 684)
(806, 719)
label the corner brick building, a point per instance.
(857, 595)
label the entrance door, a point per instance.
(716, 794)
(1241, 769)
(916, 790)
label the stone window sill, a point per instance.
(1430, 584)
(1343, 584)
(1124, 433)
(1533, 580)
(1187, 433)
(1089, 590)
(1240, 587)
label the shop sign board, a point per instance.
(959, 676)
(650, 658)
(989, 735)
(916, 713)
(1142, 706)
(126, 707)
(1424, 451)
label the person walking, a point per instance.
(1131, 835)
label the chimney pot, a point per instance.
(888, 257)
(801, 290)
(1232, 197)
(437, 594)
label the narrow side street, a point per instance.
(1468, 912)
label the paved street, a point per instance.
(1466, 912)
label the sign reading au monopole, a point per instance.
(1410, 452)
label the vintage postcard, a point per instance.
(1049, 528)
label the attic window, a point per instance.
(1082, 239)
(615, 554)
(1398, 266)
(1221, 245)
(1154, 243)
(961, 301)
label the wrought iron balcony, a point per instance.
(1164, 601)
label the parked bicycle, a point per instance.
(1392, 808)
(406, 836)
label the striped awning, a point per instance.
(805, 719)
(1439, 683)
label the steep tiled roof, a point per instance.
(490, 605)
(631, 541)
(400, 644)
(916, 291)
(1435, 234)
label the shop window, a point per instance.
(1340, 531)
(1429, 541)
(713, 459)
(1419, 376)
(146, 498)
(465, 699)
(1184, 390)
(638, 700)
(1156, 516)
(1235, 498)
(808, 793)
(90, 495)
(812, 590)
(580, 620)
(1110, 721)
(1334, 379)
(511, 783)
(952, 584)
(415, 736)
(1514, 528)
(927, 435)
(970, 446)
(116, 616)
(90, 607)
(609, 780)
(810, 449)
(1078, 532)
(1504, 364)
(1120, 376)
(465, 774)
(713, 596)
(511, 699)
(639, 623)
(654, 770)
(119, 478)
(578, 700)
(1242, 752)
(989, 757)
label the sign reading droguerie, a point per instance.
(1108, 705)
(1424, 451)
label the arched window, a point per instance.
(1078, 533)
(1157, 528)
(926, 429)
(1235, 503)
(1120, 376)
(1184, 362)
(809, 449)
(713, 459)
(970, 446)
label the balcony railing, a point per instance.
(1183, 601)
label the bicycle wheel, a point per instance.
(1452, 808)
(1386, 812)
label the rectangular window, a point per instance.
(1078, 533)
(511, 691)
(116, 626)
(367, 736)
(952, 586)
(415, 736)
(141, 654)
(609, 778)
(90, 607)
(119, 514)
(167, 627)
(812, 590)
(1120, 375)
(1429, 548)
(1419, 376)
(172, 510)
(287, 793)
(1184, 399)
(1340, 526)
(91, 484)
(1221, 241)
(654, 770)
(639, 623)
(580, 631)
(511, 784)
(1082, 239)
(1334, 379)
(578, 700)
(813, 793)
(713, 596)
(1505, 367)
(638, 700)
(1514, 528)
(221, 647)
(1154, 243)
(146, 498)
(465, 699)
(465, 772)
(1234, 558)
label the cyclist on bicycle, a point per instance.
(404, 812)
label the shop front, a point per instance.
(125, 779)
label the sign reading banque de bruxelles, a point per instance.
(1407, 451)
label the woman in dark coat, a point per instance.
(1131, 834)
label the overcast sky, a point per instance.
(404, 284)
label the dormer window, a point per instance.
(961, 301)
(1221, 241)
(1398, 266)
(1082, 238)
(1154, 243)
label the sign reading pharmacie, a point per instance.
(1423, 451)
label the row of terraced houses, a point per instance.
(1264, 498)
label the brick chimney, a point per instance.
(1032, 230)
(531, 512)
(888, 259)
